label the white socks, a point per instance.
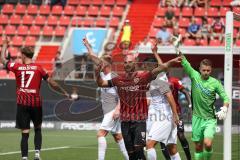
(151, 154)
(102, 146)
(176, 157)
(123, 149)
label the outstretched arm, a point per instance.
(166, 65)
(57, 87)
(90, 53)
(154, 50)
(4, 49)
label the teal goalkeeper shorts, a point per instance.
(203, 128)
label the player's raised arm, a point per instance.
(166, 65)
(4, 49)
(154, 50)
(57, 87)
(99, 80)
(90, 53)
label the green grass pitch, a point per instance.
(82, 145)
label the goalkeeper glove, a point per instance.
(222, 114)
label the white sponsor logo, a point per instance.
(22, 68)
(7, 124)
(131, 88)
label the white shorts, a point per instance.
(161, 129)
(109, 124)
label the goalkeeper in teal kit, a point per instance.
(204, 89)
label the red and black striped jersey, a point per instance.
(132, 94)
(28, 83)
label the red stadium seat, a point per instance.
(210, 20)
(52, 20)
(236, 10)
(161, 11)
(7, 9)
(121, 2)
(176, 11)
(32, 9)
(215, 42)
(69, 10)
(27, 20)
(3, 74)
(187, 12)
(158, 22)
(182, 31)
(73, 2)
(17, 41)
(114, 22)
(22, 30)
(223, 11)
(198, 20)
(238, 42)
(15, 19)
(236, 24)
(44, 10)
(199, 12)
(213, 12)
(109, 2)
(1, 31)
(101, 22)
(226, 2)
(13, 51)
(215, 3)
(30, 41)
(189, 42)
(85, 2)
(81, 11)
(153, 32)
(20, 9)
(40, 20)
(97, 2)
(93, 11)
(60, 31)
(88, 22)
(183, 22)
(47, 31)
(117, 11)
(105, 11)
(235, 31)
(34, 31)
(64, 21)
(76, 21)
(3, 19)
(10, 30)
(204, 42)
(57, 10)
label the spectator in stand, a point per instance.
(194, 30)
(217, 29)
(170, 19)
(199, 3)
(145, 43)
(235, 3)
(126, 36)
(176, 3)
(205, 29)
(163, 36)
(62, 2)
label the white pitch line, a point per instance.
(45, 149)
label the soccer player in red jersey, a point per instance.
(131, 87)
(29, 102)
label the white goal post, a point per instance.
(228, 68)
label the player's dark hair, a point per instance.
(206, 62)
(150, 59)
(28, 51)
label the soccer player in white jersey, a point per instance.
(161, 117)
(110, 106)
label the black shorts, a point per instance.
(134, 134)
(27, 113)
(180, 126)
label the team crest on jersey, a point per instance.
(143, 134)
(136, 80)
(12, 64)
